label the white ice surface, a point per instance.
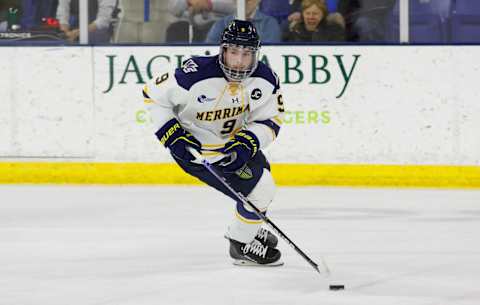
(77, 245)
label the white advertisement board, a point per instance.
(349, 104)
(46, 107)
(344, 105)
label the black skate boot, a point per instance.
(266, 238)
(254, 254)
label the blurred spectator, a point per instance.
(100, 18)
(333, 17)
(279, 9)
(43, 10)
(267, 26)
(27, 14)
(200, 15)
(36, 13)
(366, 19)
(10, 14)
(313, 25)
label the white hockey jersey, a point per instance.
(213, 109)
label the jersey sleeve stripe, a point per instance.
(272, 125)
(277, 120)
(146, 98)
(144, 92)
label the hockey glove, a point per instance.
(239, 150)
(177, 139)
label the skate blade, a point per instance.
(241, 262)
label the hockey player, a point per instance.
(227, 107)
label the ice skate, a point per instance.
(254, 254)
(267, 238)
(264, 236)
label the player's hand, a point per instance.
(239, 151)
(177, 139)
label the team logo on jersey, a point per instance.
(204, 99)
(189, 66)
(233, 88)
(244, 173)
(256, 94)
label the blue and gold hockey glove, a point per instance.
(177, 139)
(239, 150)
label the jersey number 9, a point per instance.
(228, 126)
(281, 108)
(161, 79)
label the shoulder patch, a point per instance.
(263, 71)
(189, 66)
(197, 69)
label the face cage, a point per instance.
(238, 75)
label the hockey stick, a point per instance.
(239, 196)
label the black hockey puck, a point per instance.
(337, 287)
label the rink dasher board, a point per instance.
(284, 174)
(356, 115)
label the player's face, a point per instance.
(239, 58)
